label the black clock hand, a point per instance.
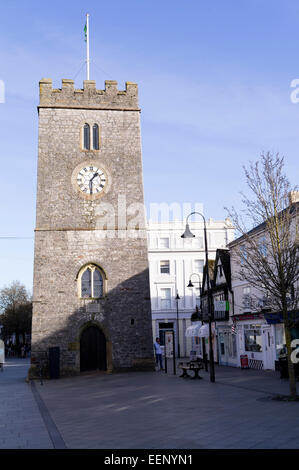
(90, 181)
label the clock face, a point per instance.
(91, 179)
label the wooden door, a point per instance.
(92, 349)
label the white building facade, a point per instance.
(259, 326)
(173, 261)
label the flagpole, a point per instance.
(87, 45)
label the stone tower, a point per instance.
(91, 295)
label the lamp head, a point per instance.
(177, 297)
(187, 233)
(190, 284)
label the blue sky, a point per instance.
(214, 86)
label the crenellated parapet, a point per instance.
(88, 97)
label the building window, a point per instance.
(263, 246)
(197, 297)
(247, 300)
(243, 254)
(91, 137)
(164, 242)
(95, 137)
(198, 266)
(91, 283)
(164, 267)
(197, 242)
(166, 299)
(86, 137)
(218, 239)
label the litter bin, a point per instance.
(283, 367)
(54, 362)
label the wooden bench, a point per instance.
(193, 366)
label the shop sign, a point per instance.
(221, 305)
(248, 316)
(169, 344)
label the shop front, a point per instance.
(227, 346)
(276, 321)
(256, 340)
(199, 334)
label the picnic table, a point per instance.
(193, 366)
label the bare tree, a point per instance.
(15, 310)
(269, 248)
(11, 296)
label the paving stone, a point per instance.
(22, 426)
(151, 410)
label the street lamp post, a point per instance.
(190, 285)
(189, 234)
(177, 323)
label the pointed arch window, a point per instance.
(91, 282)
(86, 137)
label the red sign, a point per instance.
(244, 361)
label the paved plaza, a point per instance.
(21, 424)
(150, 410)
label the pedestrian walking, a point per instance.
(158, 352)
(2, 354)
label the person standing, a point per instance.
(158, 352)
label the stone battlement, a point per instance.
(88, 97)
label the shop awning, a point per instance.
(198, 330)
(277, 317)
(193, 330)
(204, 331)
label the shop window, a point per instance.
(280, 341)
(162, 328)
(232, 345)
(253, 340)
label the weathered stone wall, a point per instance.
(68, 235)
(89, 96)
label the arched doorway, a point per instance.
(92, 349)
